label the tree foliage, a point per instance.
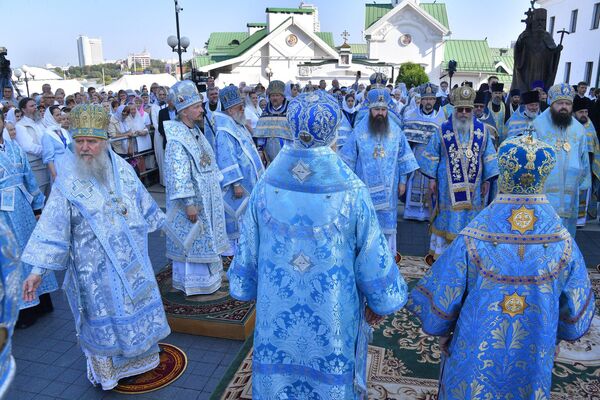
(412, 75)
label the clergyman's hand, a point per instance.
(445, 344)
(192, 213)
(433, 187)
(30, 286)
(238, 191)
(372, 318)
(485, 188)
(401, 189)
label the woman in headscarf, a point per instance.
(13, 116)
(56, 142)
(119, 131)
(252, 111)
(349, 108)
(262, 103)
(136, 122)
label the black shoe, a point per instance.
(27, 317)
(45, 305)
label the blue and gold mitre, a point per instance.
(314, 118)
(561, 91)
(428, 90)
(89, 120)
(378, 79)
(230, 96)
(184, 94)
(524, 162)
(378, 98)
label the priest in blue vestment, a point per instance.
(460, 160)
(95, 227)
(419, 124)
(510, 287)
(238, 160)
(521, 120)
(11, 276)
(496, 110)
(378, 152)
(571, 177)
(581, 109)
(194, 199)
(272, 131)
(313, 257)
(20, 201)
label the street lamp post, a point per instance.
(23, 72)
(269, 72)
(178, 44)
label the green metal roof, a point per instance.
(327, 37)
(504, 55)
(358, 48)
(437, 11)
(374, 12)
(201, 61)
(256, 24)
(471, 55)
(249, 42)
(221, 42)
(290, 10)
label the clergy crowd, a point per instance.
(298, 188)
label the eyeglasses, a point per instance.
(479, 106)
(463, 109)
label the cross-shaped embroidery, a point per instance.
(448, 135)
(82, 189)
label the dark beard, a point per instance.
(583, 120)
(378, 125)
(561, 120)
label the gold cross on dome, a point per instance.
(345, 35)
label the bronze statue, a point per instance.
(536, 53)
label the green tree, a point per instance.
(412, 75)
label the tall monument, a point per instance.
(536, 53)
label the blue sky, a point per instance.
(38, 32)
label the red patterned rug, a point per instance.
(217, 314)
(172, 364)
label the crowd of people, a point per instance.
(299, 188)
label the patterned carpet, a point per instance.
(403, 361)
(217, 314)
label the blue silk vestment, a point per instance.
(518, 123)
(459, 178)
(418, 129)
(311, 254)
(19, 196)
(99, 234)
(510, 286)
(571, 175)
(381, 162)
(272, 130)
(11, 281)
(192, 178)
(239, 163)
(496, 119)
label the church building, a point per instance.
(291, 47)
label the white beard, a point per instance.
(461, 126)
(96, 168)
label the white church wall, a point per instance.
(580, 47)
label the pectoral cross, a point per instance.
(379, 152)
(82, 189)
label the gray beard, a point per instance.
(462, 127)
(530, 115)
(95, 169)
